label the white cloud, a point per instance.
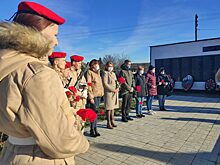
(149, 31)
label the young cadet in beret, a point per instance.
(66, 71)
(75, 70)
(34, 110)
(72, 98)
(58, 63)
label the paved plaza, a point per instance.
(188, 133)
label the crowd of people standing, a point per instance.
(42, 93)
(95, 83)
(143, 86)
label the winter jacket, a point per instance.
(129, 78)
(33, 102)
(96, 90)
(140, 80)
(162, 89)
(151, 84)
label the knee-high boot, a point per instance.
(113, 118)
(92, 130)
(108, 117)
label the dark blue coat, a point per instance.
(140, 80)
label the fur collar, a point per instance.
(23, 39)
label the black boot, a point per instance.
(129, 118)
(96, 132)
(113, 124)
(124, 119)
(92, 133)
(162, 109)
(138, 116)
(108, 117)
(112, 112)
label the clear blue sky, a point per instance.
(95, 28)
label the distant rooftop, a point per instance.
(186, 42)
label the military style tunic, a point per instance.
(80, 92)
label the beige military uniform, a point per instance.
(34, 110)
(63, 79)
(80, 92)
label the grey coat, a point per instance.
(110, 97)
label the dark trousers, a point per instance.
(161, 99)
(95, 107)
(126, 103)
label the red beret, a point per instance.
(58, 55)
(77, 58)
(37, 9)
(68, 64)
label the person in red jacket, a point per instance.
(152, 88)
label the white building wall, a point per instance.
(182, 50)
(187, 49)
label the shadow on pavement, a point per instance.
(194, 99)
(171, 158)
(184, 109)
(217, 122)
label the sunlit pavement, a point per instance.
(188, 133)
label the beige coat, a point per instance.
(96, 90)
(33, 102)
(110, 97)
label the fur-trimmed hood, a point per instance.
(20, 45)
(23, 39)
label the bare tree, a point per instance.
(121, 58)
(116, 58)
(111, 58)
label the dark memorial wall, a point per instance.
(201, 68)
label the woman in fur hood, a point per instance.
(34, 110)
